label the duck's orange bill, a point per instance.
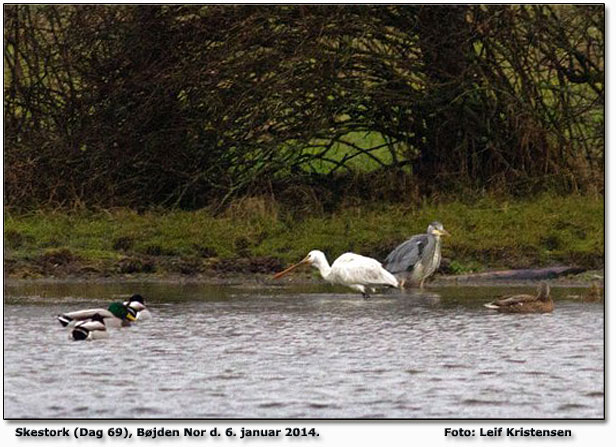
(284, 272)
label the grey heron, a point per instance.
(417, 258)
(519, 304)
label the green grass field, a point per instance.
(346, 151)
(489, 233)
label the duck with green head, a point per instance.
(117, 314)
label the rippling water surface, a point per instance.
(302, 352)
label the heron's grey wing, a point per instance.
(407, 254)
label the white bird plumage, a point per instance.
(352, 270)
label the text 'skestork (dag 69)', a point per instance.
(352, 270)
(417, 258)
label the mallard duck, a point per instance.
(117, 313)
(90, 329)
(525, 303)
(137, 303)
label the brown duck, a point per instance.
(519, 304)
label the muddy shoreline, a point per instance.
(583, 279)
(63, 266)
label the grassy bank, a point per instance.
(254, 236)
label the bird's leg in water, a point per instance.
(421, 283)
(362, 289)
(401, 284)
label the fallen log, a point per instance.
(521, 274)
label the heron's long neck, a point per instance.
(323, 266)
(437, 245)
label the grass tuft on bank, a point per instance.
(255, 236)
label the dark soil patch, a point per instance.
(134, 265)
(242, 246)
(590, 260)
(157, 250)
(445, 267)
(53, 263)
(186, 266)
(51, 243)
(14, 239)
(123, 243)
(56, 258)
(263, 264)
(205, 252)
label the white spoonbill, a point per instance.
(355, 271)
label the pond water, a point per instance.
(309, 351)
